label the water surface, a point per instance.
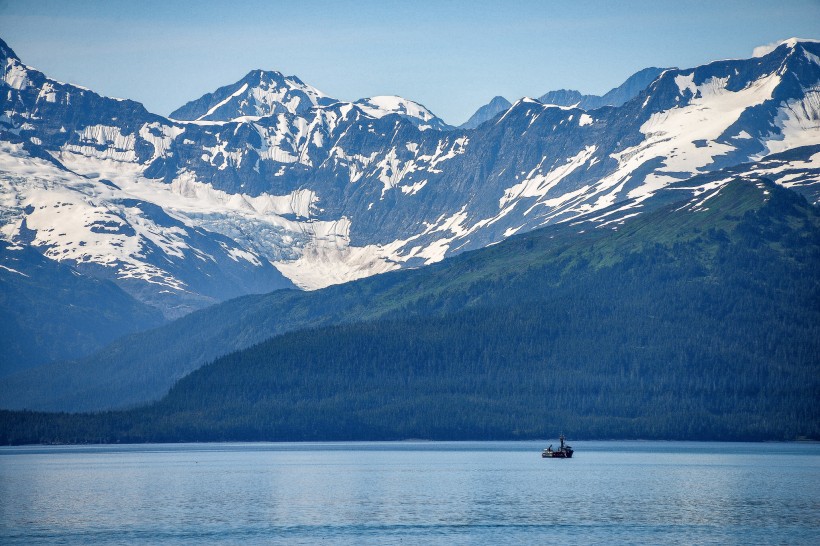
(411, 492)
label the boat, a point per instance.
(564, 452)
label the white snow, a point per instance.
(763, 50)
(82, 220)
(391, 172)
(47, 93)
(798, 122)
(538, 184)
(671, 134)
(223, 102)
(79, 220)
(16, 74)
(9, 269)
(117, 146)
(383, 105)
(686, 82)
(444, 151)
(413, 188)
(162, 143)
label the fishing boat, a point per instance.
(563, 452)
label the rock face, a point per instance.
(487, 112)
(618, 96)
(269, 177)
(260, 93)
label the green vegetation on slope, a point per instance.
(49, 311)
(699, 322)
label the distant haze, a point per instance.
(452, 56)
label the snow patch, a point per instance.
(16, 75)
(383, 105)
(539, 184)
(798, 122)
(13, 270)
(222, 103)
(414, 188)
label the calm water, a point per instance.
(411, 493)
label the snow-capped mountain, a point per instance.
(572, 98)
(329, 191)
(90, 222)
(267, 93)
(260, 93)
(104, 231)
(417, 114)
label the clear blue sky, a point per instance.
(452, 56)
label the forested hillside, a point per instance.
(698, 321)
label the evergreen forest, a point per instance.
(681, 324)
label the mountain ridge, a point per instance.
(183, 214)
(259, 93)
(487, 112)
(665, 327)
(616, 96)
(123, 374)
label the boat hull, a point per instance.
(556, 455)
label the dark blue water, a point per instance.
(411, 493)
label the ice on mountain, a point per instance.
(798, 123)
(762, 51)
(16, 75)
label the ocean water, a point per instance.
(411, 493)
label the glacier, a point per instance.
(269, 183)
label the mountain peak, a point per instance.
(487, 112)
(7, 52)
(259, 77)
(617, 96)
(562, 97)
(498, 100)
(260, 93)
(790, 43)
(418, 114)
(12, 71)
(529, 100)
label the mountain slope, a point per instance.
(699, 320)
(617, 96)
(103, 231)
(333, 193)
(79, 315)
(260, 93)
(486, 112)
(414, 112)
(142, 367)
(94, 225)
(181, 214)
